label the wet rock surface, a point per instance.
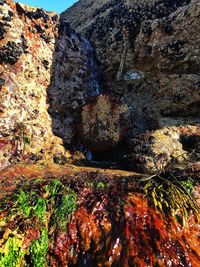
(103, 123)
(91, 217)
(73, 81)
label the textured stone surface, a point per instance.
(73, 81)
(148, 53)
(147, 116)
(103, 123)
(62, 216)
(147, 64)
(40, 55)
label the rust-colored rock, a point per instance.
(92, 217)
(103, 123)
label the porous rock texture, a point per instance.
(46, 74)
(148, 55)
(103, 123)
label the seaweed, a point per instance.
(99, 221)
(171, 196)
(39, 249)
(11, 253)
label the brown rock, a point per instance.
(33, 44)
(156, 150)
(148, 53)
(103, 123)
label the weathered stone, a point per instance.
(53, 215)
(156, 150)
(148, 52)
(148, 58)
(33, 45)
(73, 81)
(103, 123)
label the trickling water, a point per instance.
(94, 84)
(89, 156)
(133, 75)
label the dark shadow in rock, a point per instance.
(73, 81)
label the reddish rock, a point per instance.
(104, 122)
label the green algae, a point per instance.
(39, 249)
(24, 201)
(27, 205)
(45, 230)
(188, 185)
(90, 184)
(53, 188)
(60, 197)
(24, 205)
(64, 200)
(98, 185)
(38, 180)
(35, 205)
(65, 206)
(101, 185)
(11, 253)
(40, 209)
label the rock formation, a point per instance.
(146, 58)
(103, 123)
(40, 55)
(93, 218)
(148, 55)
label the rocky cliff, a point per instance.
(148, 55)
(47, 73)
(145, 65)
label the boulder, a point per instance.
(157, 150)
(104, 122)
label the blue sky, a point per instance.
(50, 5)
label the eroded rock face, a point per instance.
(154, 150)
(27, 46)
(38, 55)
(148, 52)
(73, 81)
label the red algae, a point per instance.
(146, 238)
(111, 223)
